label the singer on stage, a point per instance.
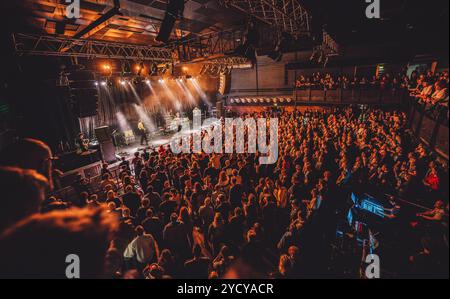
(143, 132)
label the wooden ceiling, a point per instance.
(137, 23)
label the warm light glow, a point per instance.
(185, 69)
(185, 90)
(144, 116)
(123, 123)
(199, 90)
(171, 96)
(107, 67)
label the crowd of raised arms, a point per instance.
(225, 215)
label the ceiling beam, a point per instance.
(96, 25)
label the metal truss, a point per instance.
(229, 61)
(329, 45)
(28, 44)
(207, 45)
(286, 15)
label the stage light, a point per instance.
(154, 69)
(107, 67)
(161, 81)
(185, 69)
(96, 83)
(147, 82)
(123, 82)
(104, 83)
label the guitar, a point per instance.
(83, 144)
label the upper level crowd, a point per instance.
(435, 84)
(225, 215)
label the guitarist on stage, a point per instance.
(143, 132)
(83, 143)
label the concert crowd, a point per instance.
(163, 216)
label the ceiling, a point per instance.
(402, 21)
(416, 23)
(137, 23)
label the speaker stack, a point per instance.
(84, 93)
(175, 10)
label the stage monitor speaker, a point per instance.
(108, 152)
(103, 135)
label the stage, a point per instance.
(92, 166)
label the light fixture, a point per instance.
(96, 83)
(103, 83)
(154, 69)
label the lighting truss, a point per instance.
(29, 44)
(330, 45)
(210, 44)
(234, 62)
(286, 15)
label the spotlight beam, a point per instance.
(186, 92)
(138, 98)
(123, 123)
(199, 90)
(170, 94)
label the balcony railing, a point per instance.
(321, 97)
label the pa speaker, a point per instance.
(175, 9)
(84, 93)
(85, 102)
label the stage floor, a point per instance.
(154, 142)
